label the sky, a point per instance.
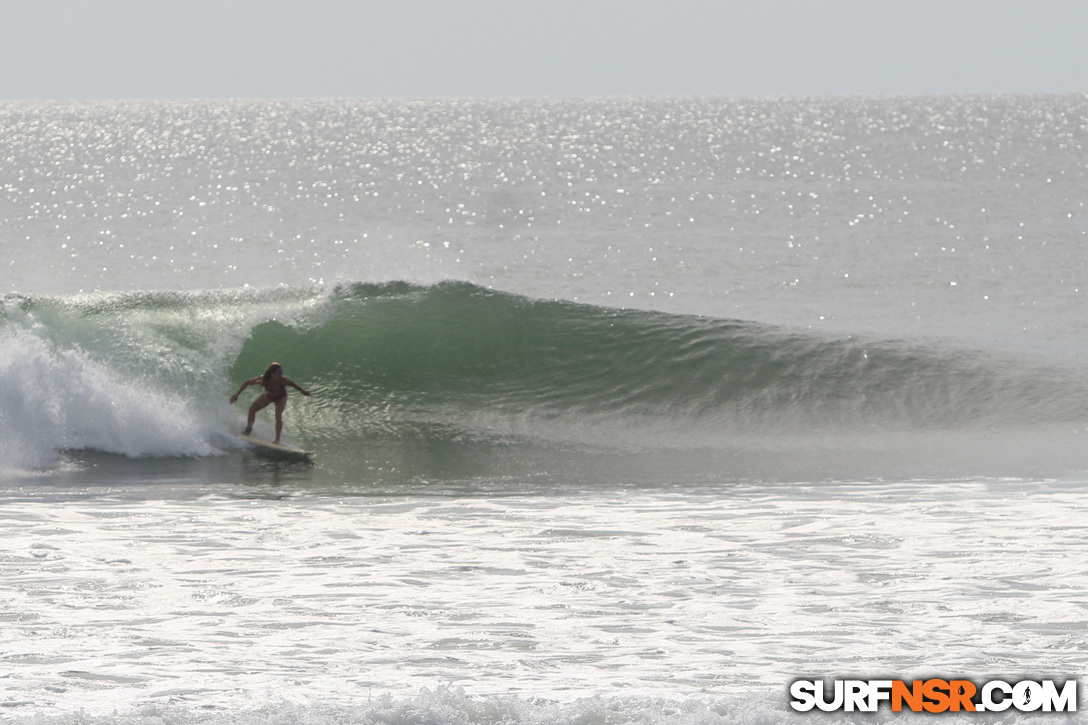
(123, 49)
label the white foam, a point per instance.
(452, 706)
(51, 400)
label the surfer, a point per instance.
(275, 391)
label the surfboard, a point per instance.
(268, 449)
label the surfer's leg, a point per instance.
(258, 404)
(280, 405)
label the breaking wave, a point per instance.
(147, 374)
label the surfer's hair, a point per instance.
(271, 369)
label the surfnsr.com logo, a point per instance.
(934, 695)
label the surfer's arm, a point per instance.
(293, 384)
(246, 384)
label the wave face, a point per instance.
(460, 348)
(147, 374)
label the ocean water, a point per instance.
(624, 410)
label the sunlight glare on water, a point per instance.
(625, 410)
(160, 600)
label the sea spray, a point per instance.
(54, 400)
